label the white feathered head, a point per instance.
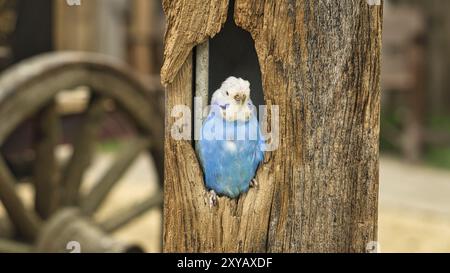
(233, 98)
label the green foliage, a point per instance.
(110, 145)
(389, 123)
(436, 155)
(440, 123)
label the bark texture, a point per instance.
(320, 62)
(189, 22)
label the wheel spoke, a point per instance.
(113, 175)
(83, 150)
(7, 246)
(46, 165)
(26, 222)
(125, 216)
(6, 228)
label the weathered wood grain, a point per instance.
(190, 22)
(320, 62)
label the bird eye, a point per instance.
(228, 93)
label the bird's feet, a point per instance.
(254, 183)
(212, 199)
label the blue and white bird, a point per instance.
(231, 144)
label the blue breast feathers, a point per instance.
(230, 153)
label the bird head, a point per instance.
(233, 98)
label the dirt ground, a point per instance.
(414, 205)
(414, 208)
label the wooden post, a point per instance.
(141, 34)
(76, 27)
(201, 84)
(94, 26)
(320, 62)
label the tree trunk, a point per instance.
(320, 62)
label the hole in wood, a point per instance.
(232, 53)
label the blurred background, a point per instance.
(130, 31)
(415, 138)
(415, 134)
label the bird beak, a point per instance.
(240, 98)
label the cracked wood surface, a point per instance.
(320, 62)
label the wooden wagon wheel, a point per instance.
(62, 214)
